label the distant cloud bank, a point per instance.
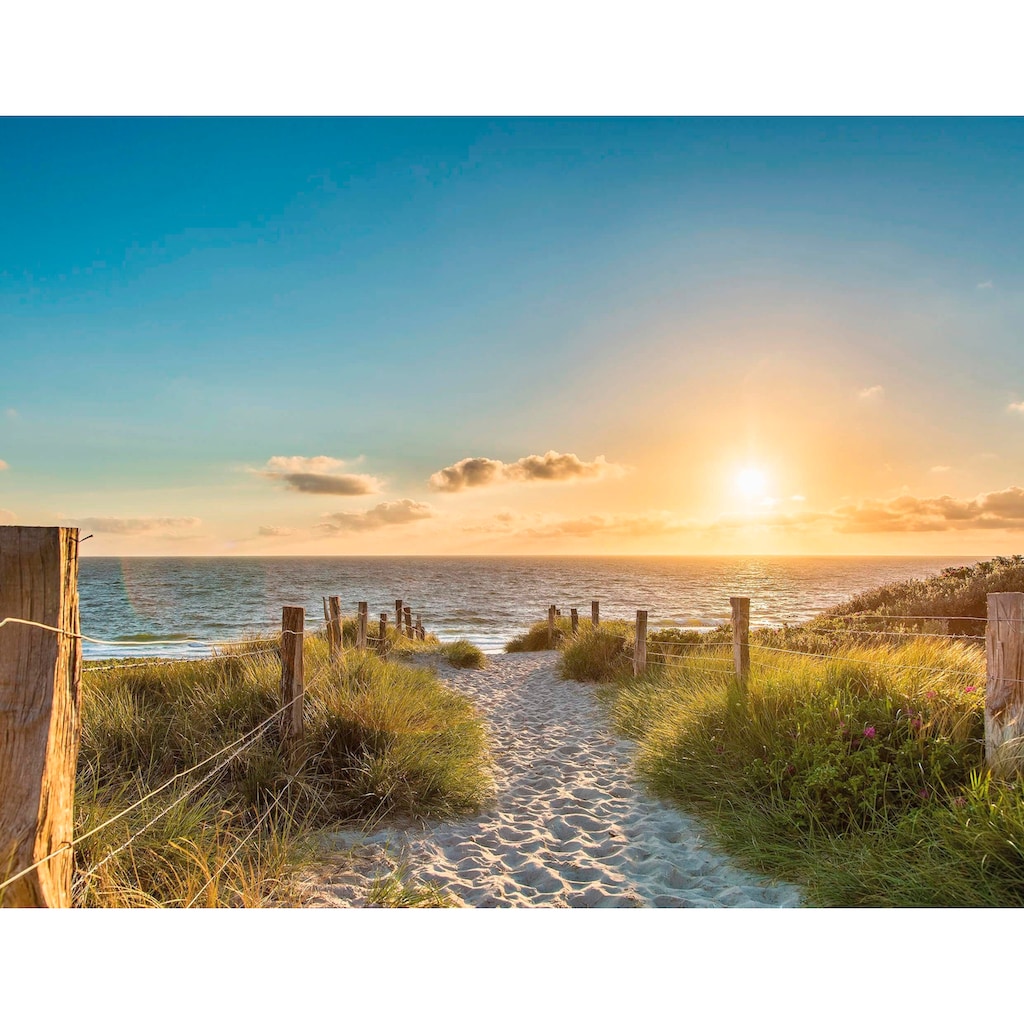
(387, 513)
(551, 466)
(875, 391)
(7, 517)
(318, 475)
(997, 510)
(141, 525)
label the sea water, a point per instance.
(179, 607)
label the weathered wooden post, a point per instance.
(40, 727)
(595, 613)
(382, 634)
(292, 682)
(551, 625)
(421, 633)
(334, 636)
(741, 636)
(574, 619)
(1004, 686)
(407, 612)
(398, 617)
(362, 626)
(640, 649)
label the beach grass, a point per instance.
(383, 740)
(851, 764)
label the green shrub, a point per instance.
(597, 654)
(536, 637)
(463, 654)
(381, 739)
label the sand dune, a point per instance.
(570, 825)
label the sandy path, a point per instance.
(570, 825)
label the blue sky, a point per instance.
(181, 300)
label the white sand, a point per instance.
(570, 824)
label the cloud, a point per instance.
(875, 391)
(1015, 407)
(275, 531)
(940, 469)
(797, 497)
(996, 510)
(6, 517)
(3, 465)
(552, 466)
(318, 475)
(144, 524)
(387, 513)
(11, 414)
(984, 285)
(643, 524)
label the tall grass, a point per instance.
(382, 739)
(859, 775)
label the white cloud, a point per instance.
(11, 414)
(319, 474)
(1015, 407)
(940, 469)
(387, 513)
(797, 497)
(551, 466)
(275, 531)
(6, 517)
(985, 285)
(875, 391)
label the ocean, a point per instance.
(179, 607)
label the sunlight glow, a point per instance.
(752, 482)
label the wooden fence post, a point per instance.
(407, 612)
(362, 626)
(551, 625)
(574, 619)
(383, 634)
(40, 727)
(292, 622)
(741, 636)
(640, 650)
(398, 617)
(335, 636)
(595, 613)
(1004, 686)
(421, 633)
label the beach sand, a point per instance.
(570, 825)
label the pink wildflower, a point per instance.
(916, 723)
(930, 695)
(969, 689)
(870, 732)
(923, 794)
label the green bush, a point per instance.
(536, 637)
(463, 654)
(381, 739)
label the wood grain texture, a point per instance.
(595, 612)
(334, 632)
(741, 636)
(362, 626)
(574, 619)
(292, 679)
(640, 648)
(40, 699)
(1004, 685)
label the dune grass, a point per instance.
(851, 764)
(383, 739)
(536, 637)
(463, 654)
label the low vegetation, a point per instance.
(463, 654)
(852, 763)
(383, 739)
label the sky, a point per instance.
(514, 336)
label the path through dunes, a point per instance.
(570, 825)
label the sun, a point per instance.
(752, 482)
